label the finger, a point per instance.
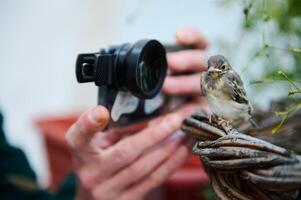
(155, 121)
(130, 148)
(109, 138)
(104, 140)
(89, 123)
(161, 174)
(190, 108)
(136, 171)
(191, 36)
(182, 85)
(187, 61)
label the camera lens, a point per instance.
(149, 71)
(145, 69)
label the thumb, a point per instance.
(90, 122)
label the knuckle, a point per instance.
(122, 156)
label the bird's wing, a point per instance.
(236, 88)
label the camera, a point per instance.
(129, 78)
(139, 68)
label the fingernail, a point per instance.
(175, 138)
(97, 115)
(178, 135)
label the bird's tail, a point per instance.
(254, 124)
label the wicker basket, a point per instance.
(243, 163)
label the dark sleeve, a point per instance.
(17, 179)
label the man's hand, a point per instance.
(109, 168)
(127, 165)
(185, 68)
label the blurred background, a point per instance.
(39, 42)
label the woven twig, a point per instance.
(241, 166)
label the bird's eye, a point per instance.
(223, 67)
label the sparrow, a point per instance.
(224, 91)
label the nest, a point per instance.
(244, 166)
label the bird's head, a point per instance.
(218, 65)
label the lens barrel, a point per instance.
(139, 68)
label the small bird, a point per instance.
(225, 93)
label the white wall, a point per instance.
(39, 41)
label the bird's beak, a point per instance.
(214, 70)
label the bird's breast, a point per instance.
(225, 108)
(208, 83)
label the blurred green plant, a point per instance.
(283, 19)
(279, 23)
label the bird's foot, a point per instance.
(223, 123)
(213, 118)
(220, 122)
